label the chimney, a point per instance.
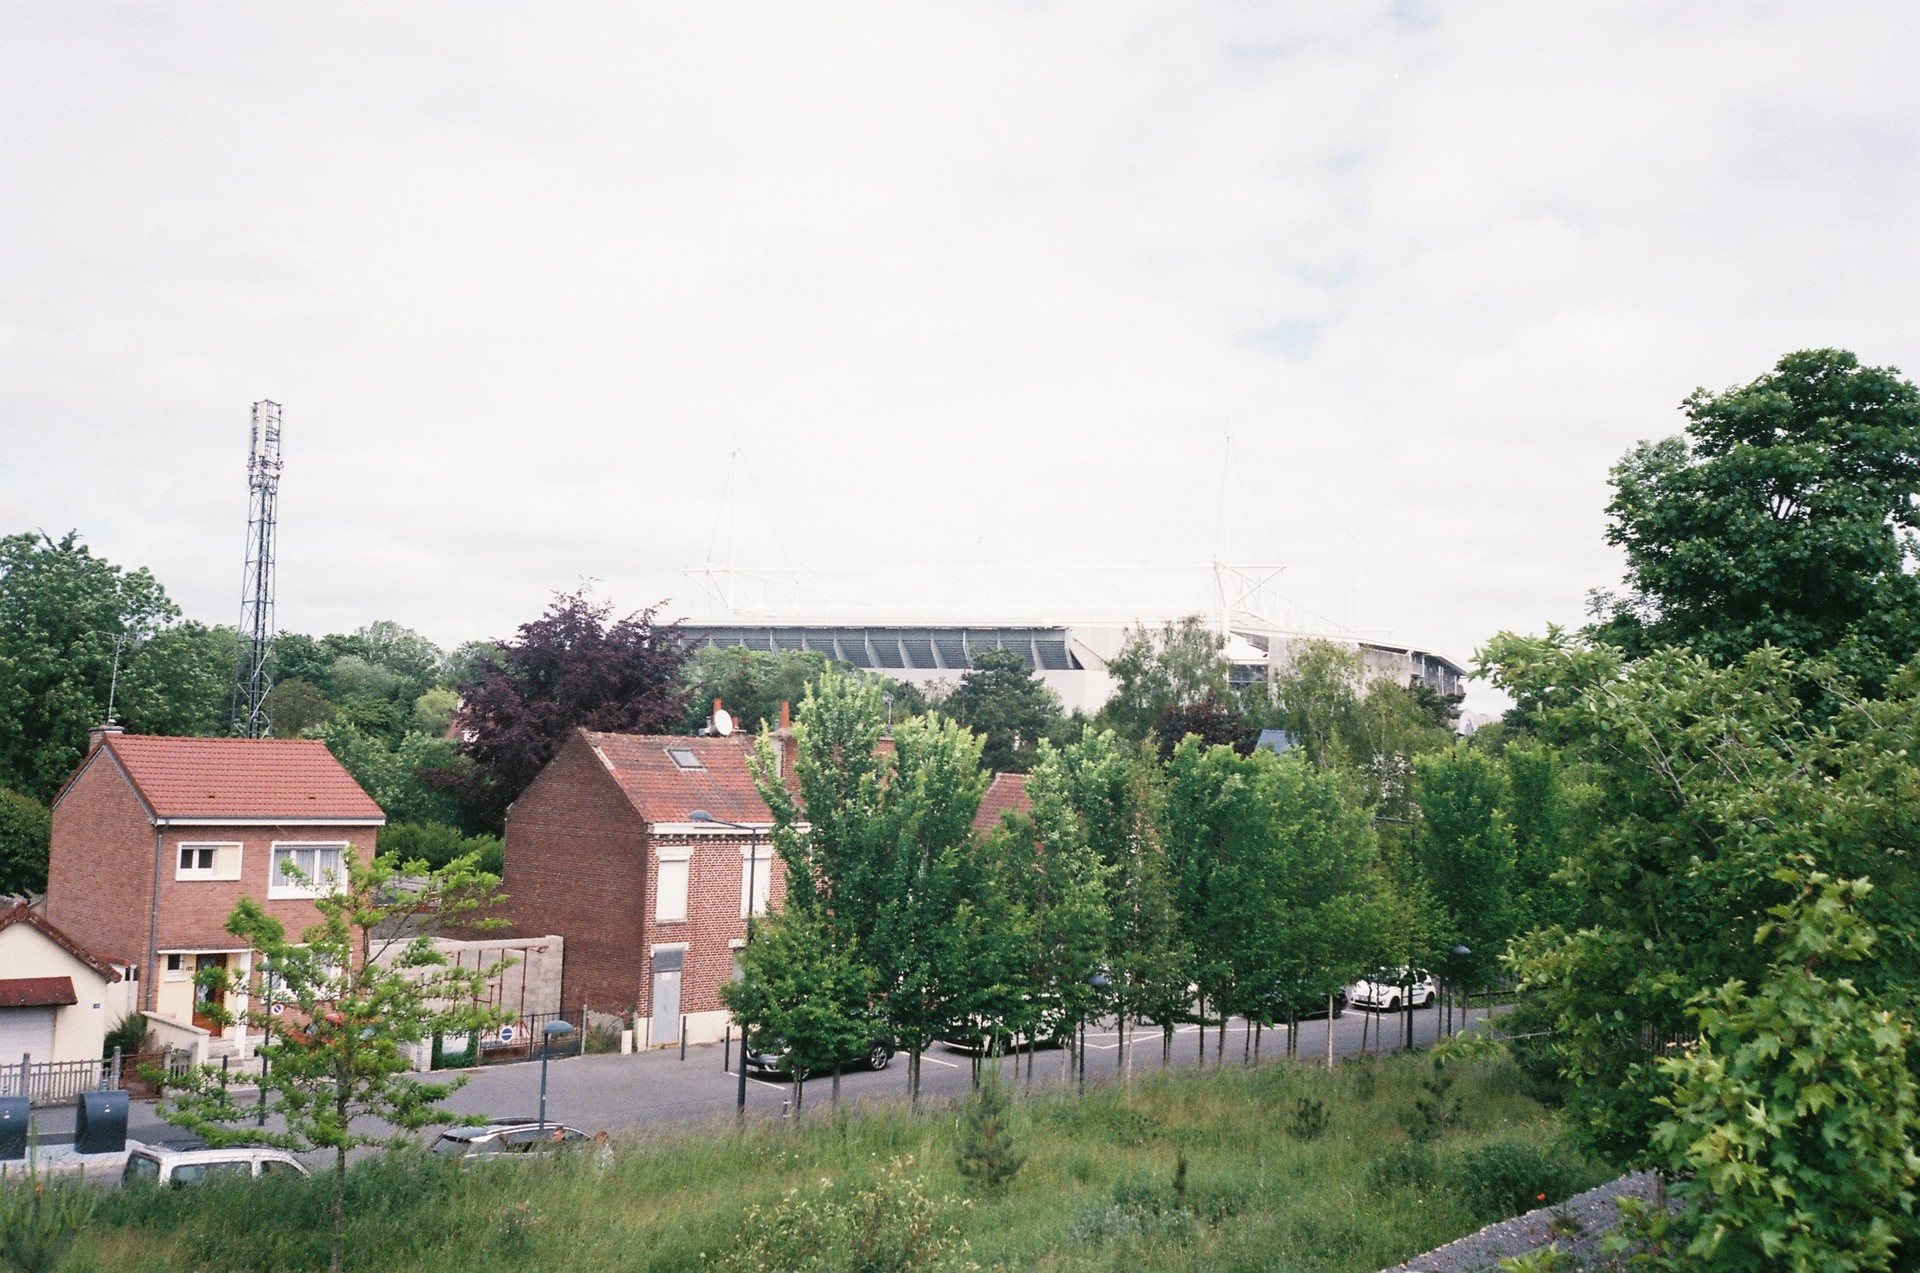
(98, 734)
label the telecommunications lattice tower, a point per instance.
(252, 676)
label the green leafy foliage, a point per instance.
(750, 683)
(1274, 879)
(1794, 1118)
(63, 611)
(40, 1218)
(1181, 665)
(1509, 1177)
(439, 845)
(26, 834)
(295, 706)
(887, 1225)
(1783, 517)
(804, 989)
(179, 681)
(1008, 705)
(1706, 782)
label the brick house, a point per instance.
(604, 850)
(155, 840)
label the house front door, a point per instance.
(205, 996)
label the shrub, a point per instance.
(1309, 1119)
(126, 1036)
(985, 1153)
(1408, 1165)
(1435, 1109)
(1508, 1177)
(889, 1226)
(39, 1219)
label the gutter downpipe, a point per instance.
(153, 920)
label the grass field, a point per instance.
(1268, 1183)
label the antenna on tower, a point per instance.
(251, 678)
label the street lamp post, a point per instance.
(548, 1033)
(753, 866)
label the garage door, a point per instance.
(26, 1030)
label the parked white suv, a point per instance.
(161, 1165)
(1390, 989)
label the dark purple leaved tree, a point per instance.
(1217, 721)
(569, 668)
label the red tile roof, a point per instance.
(663, 791)
(37, 992)
(21, 913)
(244, 778)
(1007, 793)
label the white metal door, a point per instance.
(667, 962)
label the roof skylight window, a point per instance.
(684, 758)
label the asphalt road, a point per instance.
(656, 1089)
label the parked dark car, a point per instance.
(773, 1059)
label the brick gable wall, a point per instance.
(100, 867)
(575, 867)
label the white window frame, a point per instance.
(225, 864)
(759, 862)
(681, 856)
(319, 887)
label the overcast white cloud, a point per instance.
(962, 283)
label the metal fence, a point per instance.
(58, 1082)
(520, 1040)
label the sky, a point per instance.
(1004, 291)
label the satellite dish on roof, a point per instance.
(722, 722)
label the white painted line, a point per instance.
(937, 1061)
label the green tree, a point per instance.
(802, 989)
(1707, 783)
(878, 843)
(1542, 809)
(1274, 878)
(295, 706)
(63, 612)
(985, 1152)
(1464, 852)
(1058, 880)
(299, 657)
(1784, 516)
(433, 713)
(1008, 705)
(438, 845)
(1315, 694)
(179, 681)
(359, 988)
(26, 834)
(750, 683)
(1182, 665)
